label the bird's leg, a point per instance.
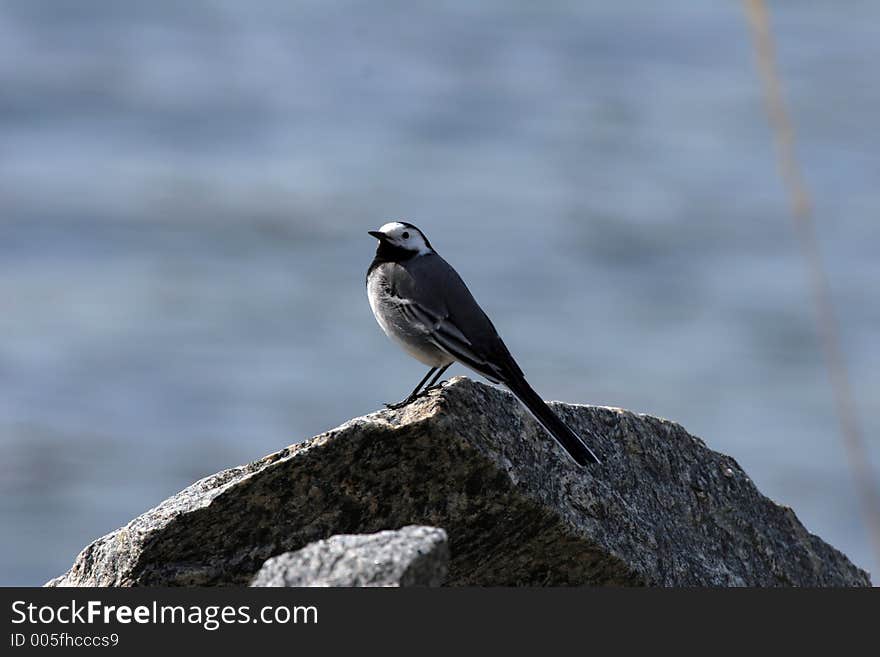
(436, 378)
(414, 393)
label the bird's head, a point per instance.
(402, 237)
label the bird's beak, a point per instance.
(379, 235)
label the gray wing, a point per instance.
(431, 294)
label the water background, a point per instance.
(185, 190)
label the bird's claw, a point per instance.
(405, 402)
(398, 405)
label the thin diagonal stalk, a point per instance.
(802, 212)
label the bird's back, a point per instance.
(434, 283)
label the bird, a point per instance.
(423, 305)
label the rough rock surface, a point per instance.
(662, 508)
(411, 556)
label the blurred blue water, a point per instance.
(185, 190)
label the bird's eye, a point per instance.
(405, 235)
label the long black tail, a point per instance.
(569, 440)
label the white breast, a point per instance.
(377, 294)
(413, 338)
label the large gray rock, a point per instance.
(662, 509)
(411, 556)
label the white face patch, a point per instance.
(407, 237)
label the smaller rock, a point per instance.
(411, 556)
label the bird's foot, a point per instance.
(423, 393)
(398, 405)
(436, 386)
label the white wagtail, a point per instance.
(422, 304)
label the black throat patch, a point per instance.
(390, 253)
